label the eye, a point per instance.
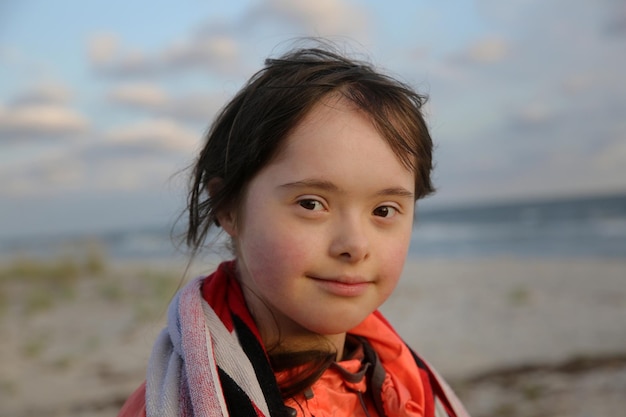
(385, 211)
(311, 204)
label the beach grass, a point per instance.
(38, 284)
(32, 286)
(60, 271)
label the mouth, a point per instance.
(343, 286)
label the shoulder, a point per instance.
(135, 405)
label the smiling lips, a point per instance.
(343, 286)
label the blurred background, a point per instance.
(103, 105)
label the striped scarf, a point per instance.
(210, 360)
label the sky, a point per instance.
(103, 104)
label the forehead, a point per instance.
(335, 138)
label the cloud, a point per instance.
(198, 107)
(533, 116)
(548, 60)
(140, 156)
(41, 112)
(146, 96)
(108, 56)
(31, 121)
(43, 168)
(129, 157)
(612, 158)
(204, 53)
(46, 176)
(195, 107)
(222, 47)
(488, 51)
(126, 173)
(102, 48)
(538, 149)
(44, 93)
(155, 135)
(324, 17)
(90, 168)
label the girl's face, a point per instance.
(323, 230)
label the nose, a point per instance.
(350, 242)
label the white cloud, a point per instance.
(154, 135)
(208, 52)
(489, 50)
(141, 156)
(41, 112)
(224, 47)
(533, 114)
(323, 17)
(102, 48)
(141, 95)
(109, 56)
(202, 52)
(40, 120)
(197, 107)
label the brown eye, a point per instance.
(310, 204)
(385, 211)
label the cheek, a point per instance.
(395, 257)
(272, 251)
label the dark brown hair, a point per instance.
(251, 129)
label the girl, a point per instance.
(313, 170)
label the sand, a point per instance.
(467, 317)
(490, 326)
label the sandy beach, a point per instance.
(514, 337)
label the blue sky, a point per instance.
(102, 103)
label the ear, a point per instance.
(228, 221)
(226, 217)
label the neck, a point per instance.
(303, 342)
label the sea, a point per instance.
(592, 227)
(581, 227)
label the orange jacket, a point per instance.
(344, 390)
(333, 395)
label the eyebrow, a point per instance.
(318, 184)
(397, 192)
(329, 186)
